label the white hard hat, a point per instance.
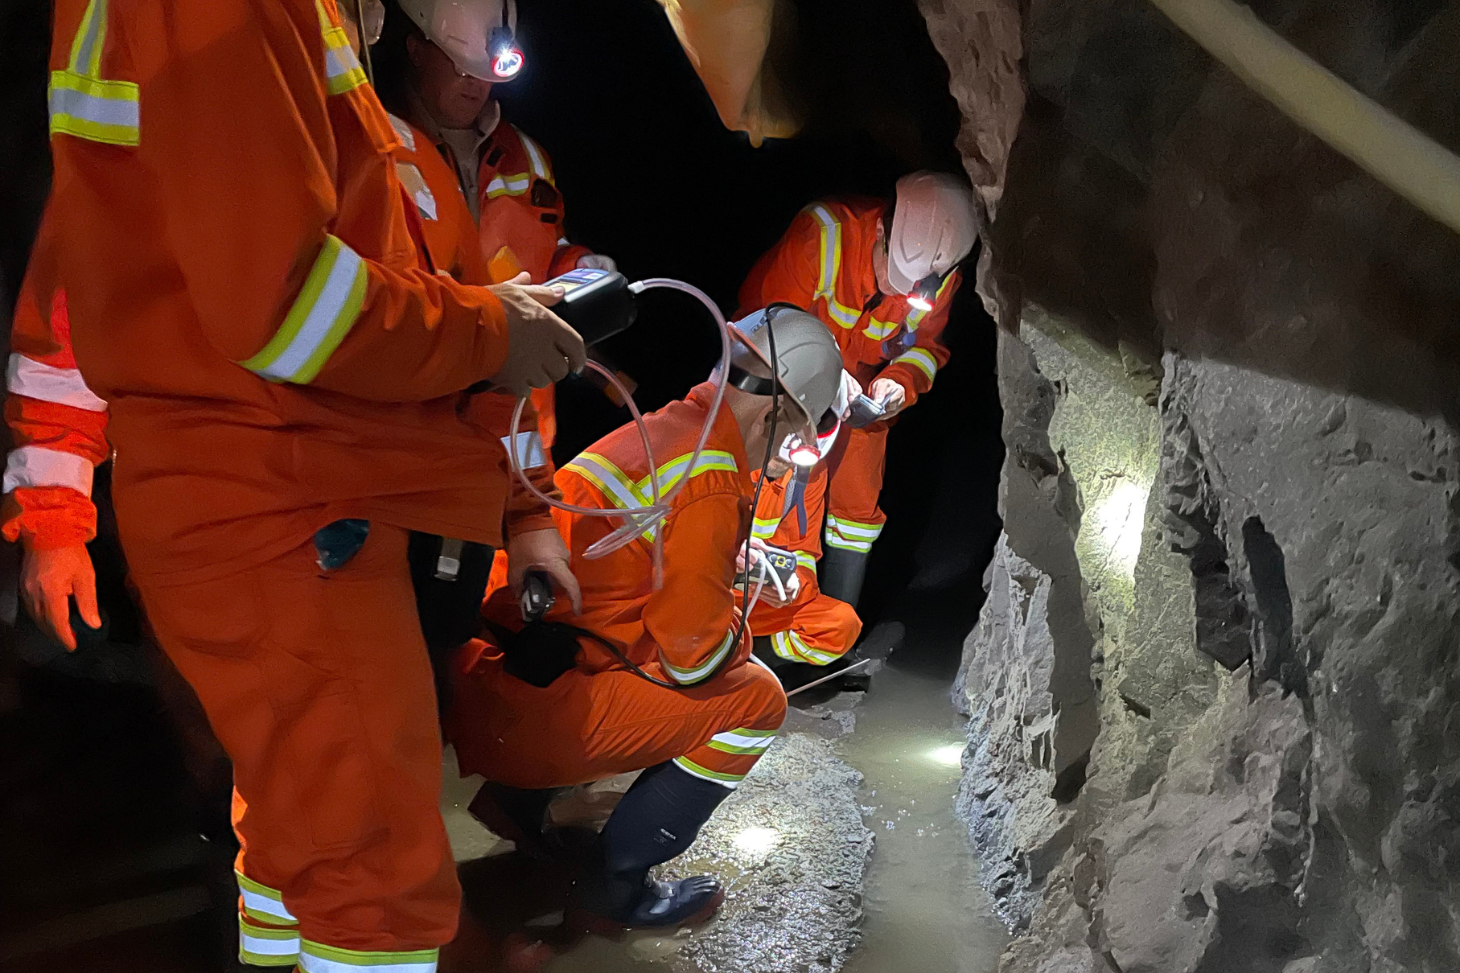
(808, 360)
(934, 226)
(478, 35)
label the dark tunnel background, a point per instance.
(100, 800)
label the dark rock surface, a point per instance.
(1214, 695)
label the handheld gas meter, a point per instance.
(597, 303)
(783, 563)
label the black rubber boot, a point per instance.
(794, 675)
(657, 819)
(512, 813)
(840, 574)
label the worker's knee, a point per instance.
(766, 700)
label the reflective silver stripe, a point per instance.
(415, 184)
(841, 314)
(672, 472)
(342, 68)
(46, 383)
(922, 358)
(527, 447)
(90, 39)
(804, 559)
(609, 479)
(536, 157)
(688, 677)
(263, 946)
(321, 317)
(37, 466)
(513, 185)
(103, 111)
(850, 528)
(318, 958)
(764, 528)
(807, 652)
(743, 741)
(728, 781)
(830, 251)
(262, 900)
(880, 330)
(404, 130)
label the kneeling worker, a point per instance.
(661, 679)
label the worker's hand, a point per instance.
(597, 261)
(541, 347)
(48, 579)
(768, 593)
(891, 394)
(847, 394)
(544, 550)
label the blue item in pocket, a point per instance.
(336, 543)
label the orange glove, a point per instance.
(48, 580)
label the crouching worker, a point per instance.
(658, 680)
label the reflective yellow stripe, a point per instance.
(672, 472)
(263, 903)
(743, 742)
(829, 264)
(536, 157)
(804, 559)
(321, 317)
(687, 765)
(880, 330)
(511, 185)
(809, 654)
(319, 958)
(260, 945)
(848, 535)
(922, 358)
(762, 528)
(84, 104)
(701, 672)
(625, 494)
(342, 69)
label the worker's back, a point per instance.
(232, 252)
(691, 615)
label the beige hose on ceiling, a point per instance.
(1400, 156)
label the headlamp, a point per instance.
(925, 293)
(507, 57)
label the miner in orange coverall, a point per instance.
(656, 678)
(457, 50)
(805, 626)
(277, 359)
(881, 277)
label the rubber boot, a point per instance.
(657, 819)
(840, 574)
(793, 675)
(515, 814)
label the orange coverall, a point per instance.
(823, 264)
(519, 208)
(814, 628)
(599, 718)
(247, 293)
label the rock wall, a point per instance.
(1214, 694)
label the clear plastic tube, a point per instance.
(639, 519)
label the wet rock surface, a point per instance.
(792, 850)
(1213, 692)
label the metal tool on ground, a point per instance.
(827, 678)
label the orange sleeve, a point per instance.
(566, 258)
(693, 618)
(787, 272)
(524, 512)
(916, 367)
(57, 425)
(289, 278)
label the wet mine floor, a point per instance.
(918, 906)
